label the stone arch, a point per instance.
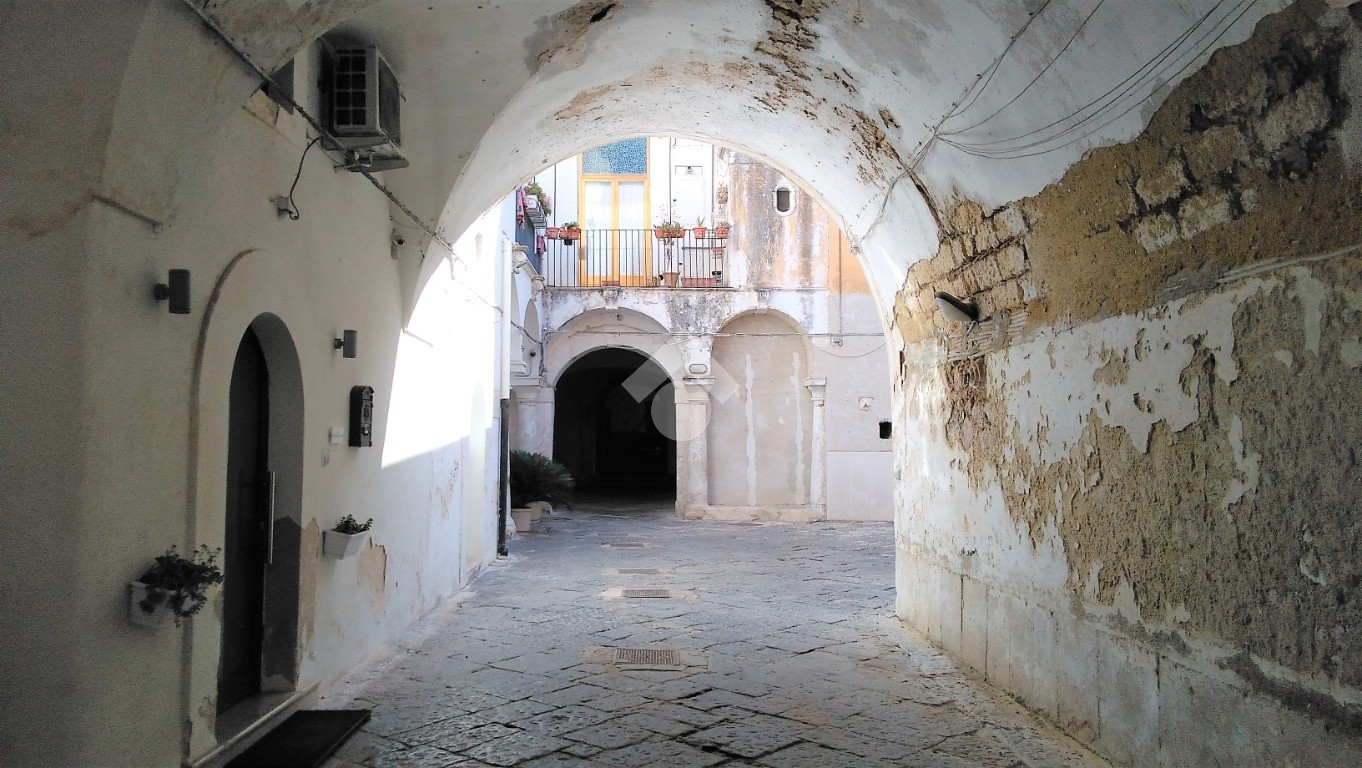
(611, 328)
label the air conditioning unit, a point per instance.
(366, 105)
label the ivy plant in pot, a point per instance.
(176, 587)
(347, 538)
(536, 477)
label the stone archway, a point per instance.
(614, 424)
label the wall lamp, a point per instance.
(176, 290)
(956, 310)
(348, 343)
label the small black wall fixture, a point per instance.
(348, 343)
(361, 416)
(176, 290)
(955, 309)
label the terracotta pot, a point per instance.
(670, 279)
(521, 516)
(571, 234)
(552, 233)
(699, 232)
(721, 231)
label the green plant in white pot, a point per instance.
(176, 587)
(536, 477)
(346, 538)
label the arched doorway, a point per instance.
(262, 532)
(614, 424)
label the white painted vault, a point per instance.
(1118, 496)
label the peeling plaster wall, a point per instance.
(1129, 495)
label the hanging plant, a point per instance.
(721, 194)
(537, 192)
(176, 583)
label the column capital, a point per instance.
(526, 388)
(818, 387)
(697, 387)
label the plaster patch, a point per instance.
(1350, 352)
(1311, 293)
(1284, 357)
(1245, 462)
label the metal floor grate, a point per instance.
(639, 571)
(647, 656)
(646, 593)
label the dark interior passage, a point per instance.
(614, 424)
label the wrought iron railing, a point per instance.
(636, 258)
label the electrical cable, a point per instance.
(1125, 87)
(1111, 99)
(997, 63)
(282, 95)
(1035, 79)
(293, 213)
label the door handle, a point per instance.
(269, 521)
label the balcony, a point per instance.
(636, 258)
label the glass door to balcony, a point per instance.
(616, 246)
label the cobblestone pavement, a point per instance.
(775, 646)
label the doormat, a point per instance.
(305, 740)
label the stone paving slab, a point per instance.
(792, 654)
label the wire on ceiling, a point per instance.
(1156, 69)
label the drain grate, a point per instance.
(624, 544)
(639, 571)
(646, 593)
(669, 657)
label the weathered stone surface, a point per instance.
(830, 684)
(1162, 184)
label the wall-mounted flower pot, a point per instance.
(342, 545)
(571, 234)
(521, 516)
(721, 231)
(156, 618)
(552, 233)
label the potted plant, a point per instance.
(721, 194)
(541, 198)
(699, 230)
(552, 233)
(721, 229)
(536, 477)
(570, 232)
(670, 279)
(668, 230)
(347, 538)
(175, 587)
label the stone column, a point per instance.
(818, 491)
(692, 445)
(532, 417)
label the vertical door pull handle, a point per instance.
(269, 522)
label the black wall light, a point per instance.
(955, 309)
(348, 343)
(176, 290)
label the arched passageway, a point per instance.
(1118, 496)
(615, 424)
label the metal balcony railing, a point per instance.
(636, 258)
